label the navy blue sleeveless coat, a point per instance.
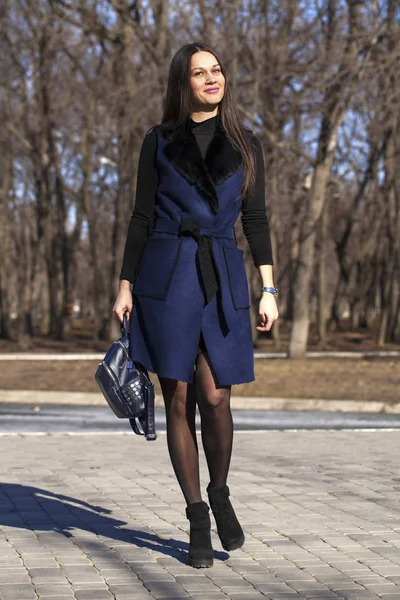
(197, 205)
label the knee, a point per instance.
(215, 401)
(175, 399)
(177, 406)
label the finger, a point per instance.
(266, 322)
(271, 321)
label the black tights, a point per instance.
(180, 400)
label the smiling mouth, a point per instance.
(212, 90)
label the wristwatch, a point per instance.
(271, 290)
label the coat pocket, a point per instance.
(237, 277)
(156, 267)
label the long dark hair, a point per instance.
(178, 104)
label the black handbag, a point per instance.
(127, 387)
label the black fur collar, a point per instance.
(220, 162)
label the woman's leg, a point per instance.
(180, 409)
(217, 436)
(180, 405)
(216, 420)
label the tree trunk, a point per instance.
(5, 248)
(322, 278)
(337, 98)
(305, 265)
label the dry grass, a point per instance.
(329, 378)
(350, 379)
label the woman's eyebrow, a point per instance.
(217, 65)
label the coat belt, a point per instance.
(203, 236)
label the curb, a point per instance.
(237, 402)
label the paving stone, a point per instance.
(382, 588)
(284, 596)
(8, 562)
(41, 563)
(14, 576)
(192, 578)
(79, 561)
(304, 585)
(119, 579)
(226, 582)
(246, 596)
(349, 585)
(155, 576)
(137, 596)
(259, 578)
(229, 590)
(322, 520)
(318, 594)
(45, 575)
(206, 586)
(81, 587)
(160, 589)
(17, 592)
(94, 595)
(82, 574)
(292, 574)
(208, 596)
(356, 595)
(176, 597)
(339, 580)
(269, 588)
(53, 590)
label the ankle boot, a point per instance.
(228, 527)
(200, 549)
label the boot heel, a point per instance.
(233, 545)
(201, 552)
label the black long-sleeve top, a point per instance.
(254, 217)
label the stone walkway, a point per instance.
(92, 517)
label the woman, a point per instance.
(191, 324)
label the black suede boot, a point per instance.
(200, 549)
(228, 527)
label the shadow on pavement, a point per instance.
(39, 510)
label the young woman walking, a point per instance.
(190, 310)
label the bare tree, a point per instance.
(81, 82)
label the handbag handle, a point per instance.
(124, 325)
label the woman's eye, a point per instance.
(201, 72)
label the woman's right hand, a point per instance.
(123, 303)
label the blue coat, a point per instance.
(195, 197)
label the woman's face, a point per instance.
(206, 81)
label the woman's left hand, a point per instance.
(267, 312)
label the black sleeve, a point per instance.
(142, 215)
(254, 216)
